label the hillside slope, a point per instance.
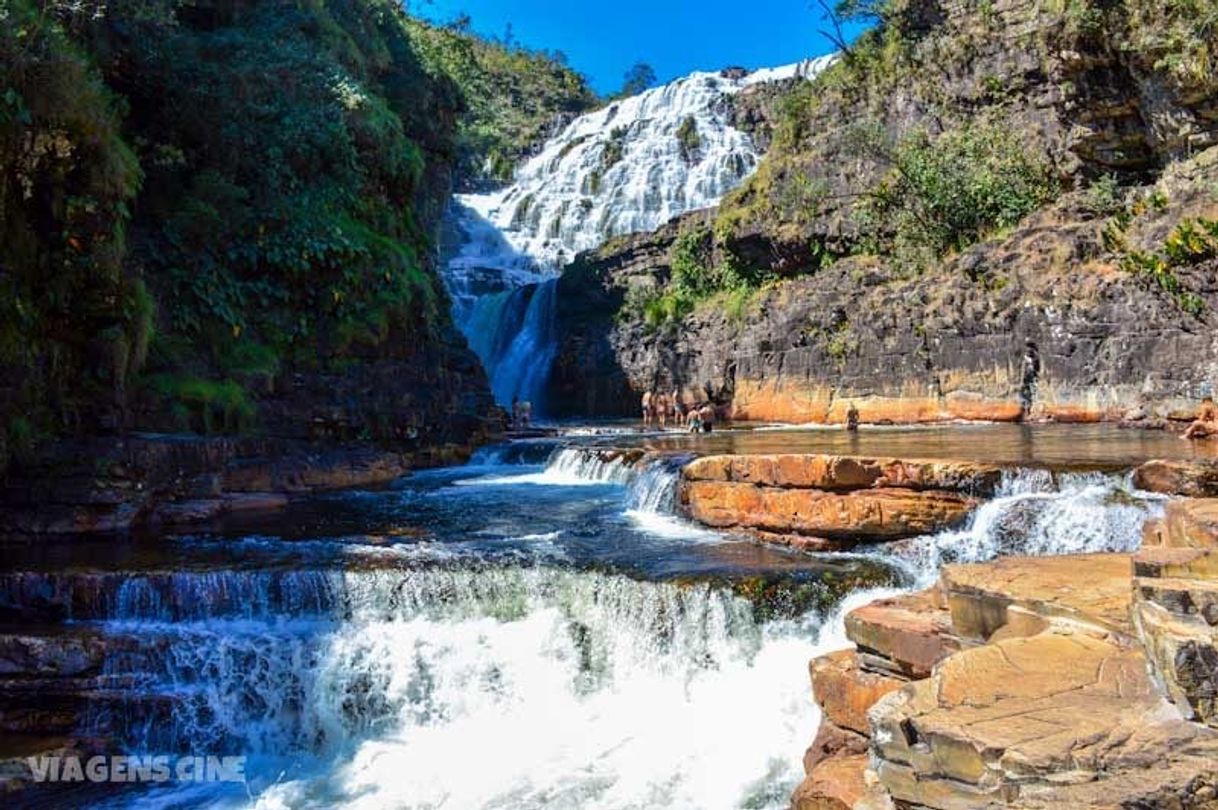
(967, 179)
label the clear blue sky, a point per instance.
(603, 39)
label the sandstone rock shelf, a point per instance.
(826, 501)
(1082, 681)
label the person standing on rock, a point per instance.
(661, 408)
(1031, 373)
(707, 414)
(852, 419)
(678, 409)
(647, 398)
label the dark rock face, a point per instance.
(939, 346)
(104, 485)
(948, 343)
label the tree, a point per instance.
(638, 79)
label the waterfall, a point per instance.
(628, 167)
(1037, 513)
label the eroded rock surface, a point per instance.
(832, 501)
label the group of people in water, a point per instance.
(659, 408)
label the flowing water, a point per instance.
(624, 168)
(535, 629)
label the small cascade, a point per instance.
(1038, 513)
(420, 672)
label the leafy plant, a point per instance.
(948, 191)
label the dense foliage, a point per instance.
(201, 197)
(946, 192)
(513, 96)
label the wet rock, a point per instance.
(833, 741)
(1192, 479)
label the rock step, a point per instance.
(1091, 589)
(904, 636)
(847, 473)
(1027, 713)
(1176, 563)
(1188, 598)
(845, 691)
(1191, 523)
(866, 515)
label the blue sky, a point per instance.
(603, 39)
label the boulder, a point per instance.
(1190, 478)
(845, 692)
(1036, 715)
(834, 784)
(903, 636)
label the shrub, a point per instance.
(946, 192)
(689, 142)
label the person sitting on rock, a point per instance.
(694, 420)
(707, 413)
(647, 397)
(852, 419)
(1206, 424)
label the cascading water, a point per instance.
(628, 167)
(582, 677)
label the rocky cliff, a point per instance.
(1107, 118)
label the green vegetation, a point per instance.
(199, 197)
(511, 94)
(948, 191)
(640, 77)
(1191, 242)
(702, 273)
(688, 139)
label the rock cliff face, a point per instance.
(835, 327)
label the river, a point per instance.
(537, 628)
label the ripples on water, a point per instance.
(616, 657)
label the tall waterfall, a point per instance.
(628, 167)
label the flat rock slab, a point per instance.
(1089, 588)
(905, 635)
(847, 473)
(873, 514)
(1036, 713)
